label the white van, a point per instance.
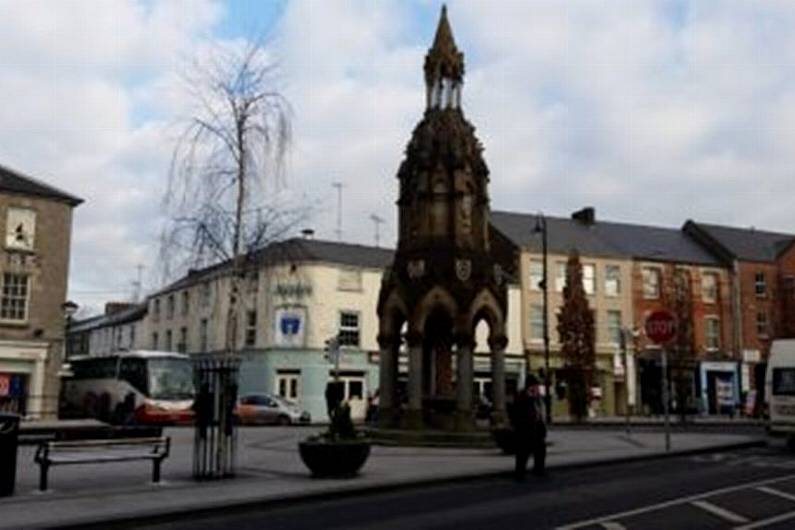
(780, 389)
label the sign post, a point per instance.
(661, 329)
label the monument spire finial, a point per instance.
(444, 67)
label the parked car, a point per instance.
(266, 409)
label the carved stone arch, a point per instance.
(393, 310)
(436, 298)
(485, 305)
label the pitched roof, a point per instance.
(603, 239)
(747, 244)
(12, 181)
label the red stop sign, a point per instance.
(660, 327)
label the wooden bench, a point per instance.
(49, 454)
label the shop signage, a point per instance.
(5, 385)
(660, 327)
(293, 290)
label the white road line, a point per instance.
(723, 513)
(673, 502)
(612, 525)
(765, 522)
(777, 493)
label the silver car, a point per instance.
(266, 409)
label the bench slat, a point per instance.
(107, 443)
(62, 459)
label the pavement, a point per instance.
(270, 472)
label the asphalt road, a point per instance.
(742, 489)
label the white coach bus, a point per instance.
(780, 389)
(147, 387)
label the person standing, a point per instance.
(530, 431)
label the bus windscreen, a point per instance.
(170, 379)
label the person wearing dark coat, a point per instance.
(530, 431)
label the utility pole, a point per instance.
(339, 185)
(541, 228)
(377, 221)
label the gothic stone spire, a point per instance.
(444, 67)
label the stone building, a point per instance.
(34, 267)
(444, 279)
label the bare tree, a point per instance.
(226, 167)
(683, 359)
(577, 339)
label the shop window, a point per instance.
(288, 384)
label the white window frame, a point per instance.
(250, 335)
(760, 280)
(614, 327)
(291, 380)
(15, 297)
(709, 295)
(185, 302)
(536, 274)
(589, 280)
(616, 278)
(651, 272)
(536, 322)
(349, 329)
(170, 306)
(168, 346)
(708, 334)
(560, 276)
(203, 335)
(762, 325)
(182, 345)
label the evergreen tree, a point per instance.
(577, 339)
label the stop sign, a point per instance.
(660, 327)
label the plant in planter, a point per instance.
(339, 452)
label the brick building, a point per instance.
(34, 265)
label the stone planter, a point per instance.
(505, 439)
(341, 459)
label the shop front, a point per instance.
(719, 387)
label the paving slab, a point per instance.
(271, 471)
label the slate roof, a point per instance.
(604, 239)
(747, 244)
(130, 314)
(12, 181)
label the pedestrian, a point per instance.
(529, 429)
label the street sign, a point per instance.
(660, 327)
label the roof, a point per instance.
(124, 316)
(603, 238)
(12, 181)
(298, 250)
(747, 244)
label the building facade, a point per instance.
(34, 267)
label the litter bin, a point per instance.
(9, 435)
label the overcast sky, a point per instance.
(650, 111)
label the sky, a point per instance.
(652, 111)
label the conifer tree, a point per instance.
(576, 331)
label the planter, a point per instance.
(505, 439)
(334, 459)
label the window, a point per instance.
(709, 287)
(614, 327)
(651, 283)
(252, 281)
(760, 284)
(156, 308)
(560, 277)
(182, 345)
(761, 324)
(154, 340)
(612, 280)
(203, 335)
(589, 278)
(14, 303)
(168, 344)
(349, 329)
(349, 280)
(712, 333)
(185, 302)
(783, 382)
(170, 306)
(206, 294)
(251, 328)
(20, 228)
(287, 383)
(132, 336)
(537, 322)
(536, 274)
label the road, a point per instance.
(753, 488)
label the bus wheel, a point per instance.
(283, 420)
(90, 405)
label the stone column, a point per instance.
(497, 345)
(387, 397)
(464, 364)
(414, 412)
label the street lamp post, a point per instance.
(69, 309)
(541, 228)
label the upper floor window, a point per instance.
(203, 342)
(155, 337)
(206, 294)
(182, 345)
(156, 308)
(251, 328)
(349, 280)
(612, 280)
(651, 283)
(709, 287)
(185, 302)
(536, 274)
(589, 278)
(170, 306)
(560, 276)
(712, 333)
(20, 228)
(760, 284)
(761, 324)
(614, 327)
(349, 329)
(169, 341)
(537, 322)
(14, 301)
(252, 281)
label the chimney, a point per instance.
(115, 307)
(308, 233)
(586, 216)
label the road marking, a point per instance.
(778, 493)
(612, 525)
(673, 502)
(723, 513)
(765, 522)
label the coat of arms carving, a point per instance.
(463, 269)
